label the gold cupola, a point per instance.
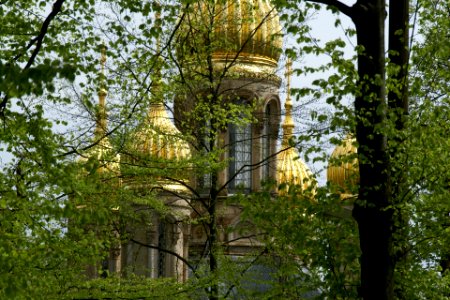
(159, 143)
(342, 169)
(290, 167)
(159, 138)
(245, 36)
(102, 151)
(251, 31)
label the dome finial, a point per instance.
(288, 124)
(288, 75)
(102, 151)
(156, 82)
(102, 76)
(101, 114)
(103, 58)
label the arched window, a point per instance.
(240, 154)
(266, 143)
(162, 244)
(268, 138)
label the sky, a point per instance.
(322, 28)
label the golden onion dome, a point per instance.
(160, 141)
(343, 166)
(245, 33)
(291, 169)
(107, 159)
(159, 138)
(250, 27)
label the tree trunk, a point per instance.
(399, 56)
(371, 210)
(212, 212)
(398, 105)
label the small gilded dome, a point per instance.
(159, 138)
(160, 142)
(106, 159)
(343, 166)
(291, 169)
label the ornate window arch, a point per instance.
(240, 153)
(270, 120)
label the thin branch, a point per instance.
(242, 273)
(181, 258)
(343, 8)
(38, 40)
(56, 9)
(244, 238)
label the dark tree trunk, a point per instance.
(398, 95)
(212, 213)
(399, 56)
(398, 106)
(212, 224)
(371, 210)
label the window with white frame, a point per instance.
(240, 154)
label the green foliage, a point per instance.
(313, 245)
(132, 287)
(59, 215)
(56, 216)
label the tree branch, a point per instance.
(38, 40)
(181, 258)
(345, 9)
(242, 273)
(55, 10)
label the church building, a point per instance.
(242, 147)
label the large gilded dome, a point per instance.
(245, 34)
(343, 166)
(250, 28)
